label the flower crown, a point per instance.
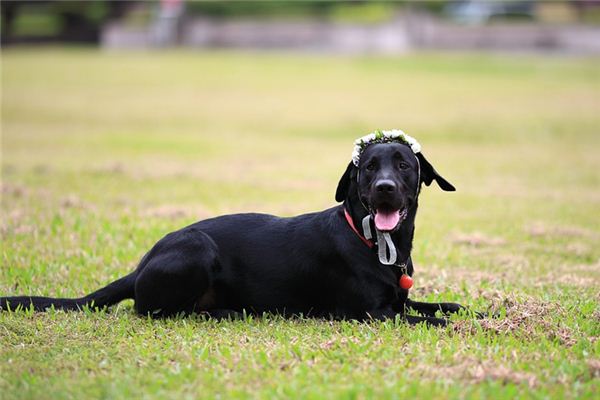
(379, 136)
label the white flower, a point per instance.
(365, 139)
(394, 135)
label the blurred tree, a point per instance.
(52, 21)
(289, 9)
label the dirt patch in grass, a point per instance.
(477, 239)
(471, 370)
(541, 229)
(508, 269)
(580, 275)
(524, 316)
(14, 222)
(173, 211)
(513, 262)
(594, 367)
(578, 248)
(115, 168)
(593, 267)
(434, 280)
(566, 279)
(13, 190)
(72, 201)
(488, 371)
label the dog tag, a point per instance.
(385, 243)
(406, 282)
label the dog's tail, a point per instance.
(113, 293)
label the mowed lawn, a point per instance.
(104, 153)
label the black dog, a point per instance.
(317, 264)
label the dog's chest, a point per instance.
(373, 285)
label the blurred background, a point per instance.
(320, 26)
(171, 111)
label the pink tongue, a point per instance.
(386, 220)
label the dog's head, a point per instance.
(387, 182)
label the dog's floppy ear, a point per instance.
(428, 174)
(344, 185)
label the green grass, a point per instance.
(103, 153)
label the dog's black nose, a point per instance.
(385, 186)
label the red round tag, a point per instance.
(406, 282)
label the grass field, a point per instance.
(104, 153)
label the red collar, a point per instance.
(351, 223)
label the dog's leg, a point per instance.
(224, 314)
(388, 313)
(432, 321)
(429, 309)
(380, 314)
(177, 274)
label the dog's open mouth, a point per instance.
(389, 219)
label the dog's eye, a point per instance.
(404, 165)
(371, 166)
